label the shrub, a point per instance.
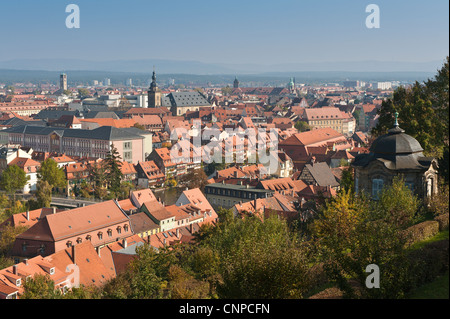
(421, 231)
(443, 221)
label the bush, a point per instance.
(443, 221)
(429, 262)
(421, 231)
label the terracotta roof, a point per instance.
(24, 162)
(139, 197)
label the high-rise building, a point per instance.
(107, 82)
(63, 81)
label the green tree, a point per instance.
(13, 179)
(83, 92)
(302, 126)
(112, 165)
(40, 287)
(423, 113)
(43, 194)
(195, 179)
(350, 237)
(8, 236)
(347, 182)
(51, 173)
(397, 204)
(257, 259)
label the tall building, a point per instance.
(154, 93)
(63, 81)
(107, 82)
(236, 83)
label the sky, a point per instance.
(231, 31)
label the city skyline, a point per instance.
(251, 33)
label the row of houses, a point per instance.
(92, 244)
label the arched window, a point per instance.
(125, 227)
(119, 229)
(79, 240)
(88, 237)
(100, 235)
(109, 231)
(69, 244)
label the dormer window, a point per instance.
(100, 235)
(51, 271)
(69, 244)
(119, 229)
(125, 227)
(79, 240)
(88, 237)
(109, 231)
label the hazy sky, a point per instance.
(230, 31)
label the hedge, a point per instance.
(422, 231)
(443, 221)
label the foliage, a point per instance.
(13, 179)
(83, 92)
(350, 240)
(112, 165)
(43, 194)
(347, 181)
(302, 126)
(438, 204)
(398, 205)
(51, 173)
(8, 236)
(195, 179)
(423, 112)
(257, 259)
(40, 287)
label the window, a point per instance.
(127, 145)
(127, 156)
(100, 235)
(377, 185)
(109, 231)
(119, 229)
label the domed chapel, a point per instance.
(393, 154)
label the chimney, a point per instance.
(73, 254)
(54, 210)
(178, 233)
(124, 243)
(98, 251)
(165, 242)
(15, 269)
(26, 261)
(28, 215)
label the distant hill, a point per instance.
(81, 72)
(201, 68)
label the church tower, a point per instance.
(236, 83)
(154, 93)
